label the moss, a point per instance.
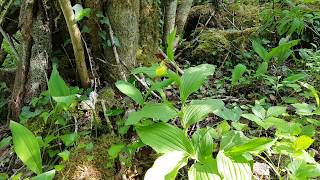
(84, 164)
(211, 45)
(215, 44)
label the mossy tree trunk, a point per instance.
(124, 20)
(149, 26)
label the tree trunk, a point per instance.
(149, 31)
(182, 15)
(124, 20)
(40, 53)
(170, 8)
(26, 21)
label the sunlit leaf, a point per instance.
(205, 171)
(166, 166)
(163, 138)
(302, 143)
(45, 176)
(131, 91)
(155, 111)
(231, 169)
(26, 147)
(252, 146)
(197, 110)
(193, 78)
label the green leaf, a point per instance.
(45, 176)
(259, 111)
(170, 43)
(163, 138)
(260, 50)
(80, 13)
(294, 78)
(64, 155)
(262, 69)
(193, 78)
(5, 142)
(314, 92)
(57, 86)
(166, 167)
(303, 109)
(149, 71)
(229, 114)
(276, 111)
(255, 119)
(233, 170)
(252, 146)
(26, 147)
(302, 143)
(206, 171)
(232, 139)
(114, 150)
(203, 143)
(300, 170)
(237, 73)
(155, 111)
(198, 110)
(69, 139)
(131, 91)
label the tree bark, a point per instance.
(170, 8)
(182, 15)
(25, 20)
(40, 54)
(149, 25)
(76, 40)
(124, 20)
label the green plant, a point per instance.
(174, 143)
(28, 150)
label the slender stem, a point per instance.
(271, 165)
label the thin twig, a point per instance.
(115, 52)
(103, 103)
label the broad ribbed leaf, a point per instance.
(260, 50)
(131, 91)
(193, 78)
(198, 110)
(155, 111)
(262, 69)
(163, 138)
(57, 85)
(300, 169)
(45, 176)
(237, 73)
(26, 147)
(252, 146)
(232, 139)
(232, 170)
(203, 144)
(166, 167)
(206, 171)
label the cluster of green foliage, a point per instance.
(157, 127)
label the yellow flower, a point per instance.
(161, 70)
